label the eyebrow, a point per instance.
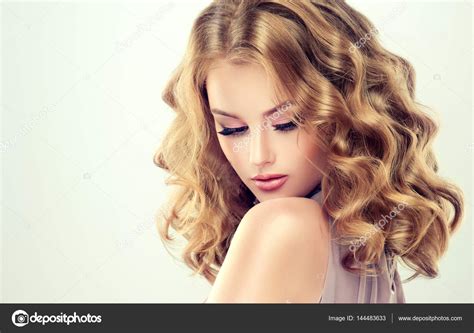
(227, 114)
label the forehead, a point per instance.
(234, 87)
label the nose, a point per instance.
(261, 152)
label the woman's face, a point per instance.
(257, 135)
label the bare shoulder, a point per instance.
(279, 253)
(290, 219)
(297, 210)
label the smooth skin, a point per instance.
(279, 253)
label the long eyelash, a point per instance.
(241, 130)
(285, 127)
(233, 131)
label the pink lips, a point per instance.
(269, 184)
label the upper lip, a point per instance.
(267, 176)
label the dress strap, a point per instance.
(391, 267)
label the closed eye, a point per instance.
(233, 131)
(285, 127)
(241, 130)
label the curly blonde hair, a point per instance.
(357, 98)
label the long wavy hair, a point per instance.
(357, 98)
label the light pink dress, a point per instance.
(341, 286)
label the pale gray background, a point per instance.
(82, 117)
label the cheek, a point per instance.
(233, 151)
(226, 146)
(294, 145)
(309, 149)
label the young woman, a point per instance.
(302, 164)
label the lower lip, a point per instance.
(271, 184)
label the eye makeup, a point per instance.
(235, 131)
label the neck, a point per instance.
(314, 191)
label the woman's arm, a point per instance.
(279, 254)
